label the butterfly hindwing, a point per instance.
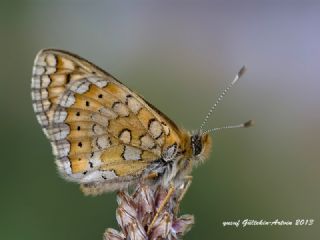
(99, 129)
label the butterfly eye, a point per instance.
(196, 145)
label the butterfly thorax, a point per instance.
(177, 162)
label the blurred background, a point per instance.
(178, 55)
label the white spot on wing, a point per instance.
(121, 109)
(64, 165)
(61, 148)
(134, 105)
(95, 159)
(41, 106)
(40, 59)
(67, 99)
(98, 176)
(155, 128)
(60, 115)
(35, 83)
(132, 153)
(109, 174)
(125, 136)
(38, 70)
(102, 142)
(80, 86)
(50, 70)
(147, 142)
(59, 132)
(51, 60)
(39, 94)
(42, 119)
(98, 81)
(97, 129)
(36, 95)
(45, 81)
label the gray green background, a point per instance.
(178, 55)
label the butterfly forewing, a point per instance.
(99, 129)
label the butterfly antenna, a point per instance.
(222, 94)
(247, 124)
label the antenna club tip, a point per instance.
(249, 123)
(242, 71)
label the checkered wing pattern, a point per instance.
(100, 130)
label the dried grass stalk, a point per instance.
(136, 211)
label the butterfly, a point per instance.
(105, 136)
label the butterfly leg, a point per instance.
(163, 203)
(186, 185)
(151, 176)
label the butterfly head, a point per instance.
(200, 145)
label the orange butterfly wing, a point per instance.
(100, 130)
